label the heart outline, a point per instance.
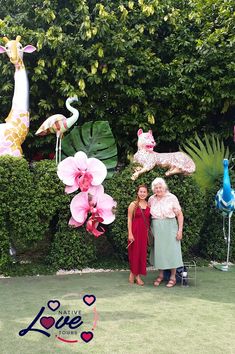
(89, 299)
(53, 305)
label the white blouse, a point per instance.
(166, 207)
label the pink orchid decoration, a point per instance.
(95, 202)
(81, 172)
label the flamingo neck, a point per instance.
(227, 195)
(75, 114)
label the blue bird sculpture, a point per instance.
(225, 201)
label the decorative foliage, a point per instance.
(208, 157)
(96, 140)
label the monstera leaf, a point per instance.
(96, 140)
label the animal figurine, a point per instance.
(225, 201)
(59, 124)
(15, 130)
(176, 162)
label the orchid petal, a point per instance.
(74, 223)
(97, 169)
(105, 205)
(92, 225)
(81, 160)
(67, 171)
(85, 181)
(95, 192)
(79, 207)
(71, 189)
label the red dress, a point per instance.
(137, 251)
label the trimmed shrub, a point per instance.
(34, 217)
(17, 217)
(71, 248)
(123, 190)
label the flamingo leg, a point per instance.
(56, 148)
(228, 240)
(60, 140)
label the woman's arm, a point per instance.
(129, 221)
(180, 219)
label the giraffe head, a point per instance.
(15, 50)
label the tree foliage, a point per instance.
(166, 65)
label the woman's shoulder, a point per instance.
(151, 197)
(132, 204)
(171, 195)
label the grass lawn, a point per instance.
(132, 319)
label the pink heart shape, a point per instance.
(89, 299)
(86, 336)
(53, 305)
(47, 322)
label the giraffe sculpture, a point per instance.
(15, 130)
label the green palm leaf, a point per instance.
(208, 156)
(96, 140)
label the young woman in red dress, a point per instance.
(138, 226)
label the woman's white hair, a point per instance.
(161, 181)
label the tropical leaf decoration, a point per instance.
(208, 155)
(96, 140)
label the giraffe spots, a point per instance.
(14, 132)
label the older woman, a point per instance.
(167, 227)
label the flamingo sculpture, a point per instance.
(59, 124)
(225, 201)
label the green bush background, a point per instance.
(35, 211)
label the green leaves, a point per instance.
(208, 157)
(96, 140)
(173, 58)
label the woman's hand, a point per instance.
(179, 235)
(131, 237)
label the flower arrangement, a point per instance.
(91, 204)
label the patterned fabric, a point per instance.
(166, 207)
(226, 208)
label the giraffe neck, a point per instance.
(20, 100)
(17, 122)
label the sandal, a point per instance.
(158, 281)
(139, 281)
(171, 283)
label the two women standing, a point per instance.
(167, 227)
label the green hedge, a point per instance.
(123, 190)
(34, 216)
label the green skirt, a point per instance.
(166, 253)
